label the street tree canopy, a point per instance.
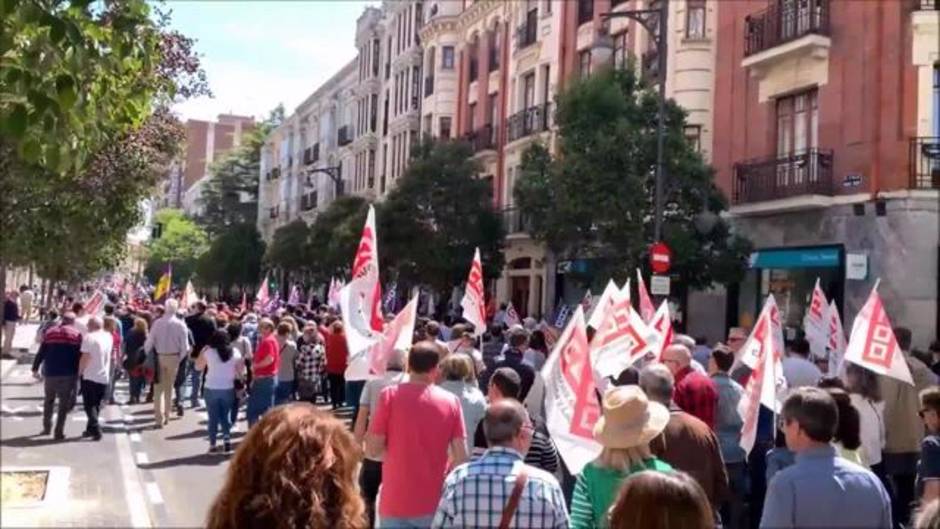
(438, 212)
(595, 198)
(233, 259)
(181, 244)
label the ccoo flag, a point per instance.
(762, 352)
(473, 302)
(814, 322)
(647, 310)
(836, 342)
(872, 343)
(361, 299)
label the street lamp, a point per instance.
(654, 20)
(335, 174)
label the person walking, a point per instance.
(225, 365)
(11, 316)
(865, 395)
(928, 471)
(27, 296)
(695, 393)
(457, 378)
(628, 424)
(821, 489)
(169, 337)
(415, 426)
(113, 326)
(513, 359)
(95, 368)
(728, 425)
(58, 359)
(499, 490)
(337, 354)
(241, 344)
(311, 364)
(264, 366)
(659, 500)
(297, 469)
(286, 386)
(135, 359)
(798, 370)
(203, 327)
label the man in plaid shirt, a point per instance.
(476, 494)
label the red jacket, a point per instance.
(337, 354)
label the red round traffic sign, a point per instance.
(660, 258)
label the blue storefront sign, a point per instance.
(818, 257)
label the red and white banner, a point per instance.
(621, 340)
(95, 304)
(473, 303)
(662, 324)
(836, 340)
(512, 317)
(189, 296)
(815, 323)
(398, 335)
(571, 407)
(294, 297)
(550, 332)
(647, 310)
(763, 353)
(244, 305)
(587, 302)
(872, 343)
(264, 296)
(336, 286)
(603, 303)
(361, 299)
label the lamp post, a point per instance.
(335, 174)
(654, 20)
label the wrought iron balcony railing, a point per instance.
(805, 173)
(785, 21)
(925, 162)
(529, 121)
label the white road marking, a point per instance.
(135, 437)
(133, 492)
(142, 458)
(153, 492)
(39, 407)
(79, 418)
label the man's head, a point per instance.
(677, 357)
(199, 307)
(930, 408)
(108, 309)
(810, 417)
(171, 306)
(684, 339)
(507, 424)
(721, 360)
(736, 338)
(800, 348)
(656, 381)
(94, 324)
(78, 308)
(68, 318)
(284, 330)
(424, 358)
(904, 337)
(462, 332)
(433, 330)
(504, 384)
(518, 338)
(266, 326)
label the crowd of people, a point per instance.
(454, 433)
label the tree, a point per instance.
(438, 213)
(289, 247)
(334, 237)
(180, 245)
(595, 198)
(233, 259)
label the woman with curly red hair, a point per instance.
(296, 469)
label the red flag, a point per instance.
(814, 322)
(836, 339)
(872, 343)
(244, 305)
(473, 304)
(597, 310)
(647, 310)
(762, 352)
(263, 297)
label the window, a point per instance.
(447, 57)
(693, 135)
(615, 3)
(494, 49)
(548, 7)
(385, 115)
(585, 11)
(471, 117)
(584, 63)
(415, 86)
(797, 123)
(546, 83)
(528, 91)
(695, 19)
(936, 99)
(374, 112)
(427, 124)
(445, 128)
(620, 50)
(375, 58)
(388, 59)
(494, 115)
(473, 53)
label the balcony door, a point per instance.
(797, 17)
(797, 138)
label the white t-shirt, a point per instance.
(800, 372)
(98, 345)
(872, 428)
(221, 375)
(81, 323)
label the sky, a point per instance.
(258, 53)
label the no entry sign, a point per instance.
(660, 258)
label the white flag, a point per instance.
(606, 300)
(873, 345)
(815, 324)
(647, 310)
(361, 298)
(766, 384)
(662, 324)
(398, 335)
(512, 317)
(571, 406)
(189, 296)
(473, 304)
(621, 340)
(836, 342)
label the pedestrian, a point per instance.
(728, 425)
(628, 424)
(457, 378)
(370, 476)
(904, 430)
(798, 370)
(687, 443)
(242, 344)
(95, 369)
(58, 358)
(135, 359)
(225, 365)
(203, 326)
(11, 316)
(660, 500)
(701, 353)
(865, 395)
(821, 489)
(512, 358)
(415, 426)
(493, 344)
(311, 364)
(928, 475)
(695, 393)
(27, 296)
(113, 326)
(286, 386)
(297, 469)
(537, 352)
(337, 354)
(169, 337)
(928, 516)
(847, 438)
(499, 490)
(463, 342)
(264, 366)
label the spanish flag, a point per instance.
(163, 285)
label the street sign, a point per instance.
(852, 180)
(659, 285)
(856, 266)
(660, 258)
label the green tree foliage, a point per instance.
(181, 244)
(595, 199)
(334, 237)
(289, 248)
(436, 215)
(233, 259)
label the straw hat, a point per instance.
(629, 418)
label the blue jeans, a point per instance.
(284, 392)
(353, 393)
(418, 522)
(219, 404)
(195, 381)
(261, 398)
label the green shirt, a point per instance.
(597, 488)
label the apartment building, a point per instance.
(829, 149)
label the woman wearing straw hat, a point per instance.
(629, 422)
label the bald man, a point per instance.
(95, 368)
(694, 391)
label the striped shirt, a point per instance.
(475, 494)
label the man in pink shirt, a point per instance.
(414, 427)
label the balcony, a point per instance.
(308, 201)
(784, 22)
(428, 86)
(343, 136)
(925, 162)
(482, 139)
(529, 121)
(527, 33)
(805, 173)
(515, 222)
(315, 153)
(927, 5)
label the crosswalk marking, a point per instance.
(142, 458)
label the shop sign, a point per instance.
(856, 266)
(821, 257)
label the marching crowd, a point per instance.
(453, 434)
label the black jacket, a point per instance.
(202, 327)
